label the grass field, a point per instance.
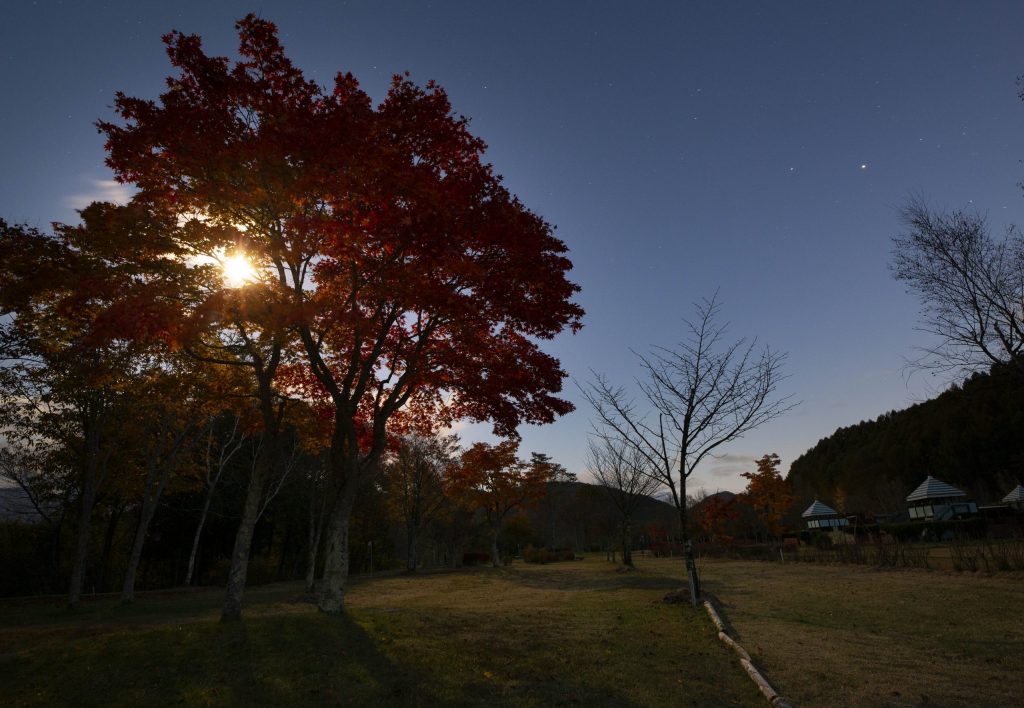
(575, 633)
(855, 636)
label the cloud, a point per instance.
(731, 465)
(100, 190)
(455, 427)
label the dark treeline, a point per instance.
(37, 546)
(971, 436)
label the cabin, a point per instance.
(1015, 499)
(822, 516)
(934, 500)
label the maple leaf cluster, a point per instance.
(391, 258)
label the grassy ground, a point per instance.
(564, 634)
(855, 636)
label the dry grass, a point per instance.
(855, 636)
(563, 634)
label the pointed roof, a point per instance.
(932, 488)
(1017, 495)
(819, 509)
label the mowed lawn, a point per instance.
(854, 636)
(577, 633)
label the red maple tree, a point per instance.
(402, 269)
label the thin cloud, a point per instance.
(731, 465)
(100, 190)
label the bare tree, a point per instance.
(622, 471)
(702, 394)
(217, 456)
(971, 288)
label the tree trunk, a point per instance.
(693, 579)
(88, 500)
(316, 532)
(90, 481)
(232, 609)
(332, 586)
(108, 547)
(627, 551)
(412, 554)
(199, 532)
(495, 557)
(153, 488)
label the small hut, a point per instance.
(822, 516)
(934, 500)
(1015, 499)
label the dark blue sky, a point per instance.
(760, 149)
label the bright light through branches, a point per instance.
(238, 271)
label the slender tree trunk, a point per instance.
(411, 542)
(156, 480)
(316, 531)
(88, 500)
(108, 547)
(311, 561)
(693, 579)
(55, 551)
(90, 481)
(199, 532)
(627, 551)
(279, 573)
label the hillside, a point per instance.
(971, 436)
(579, 515)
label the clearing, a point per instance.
(576, 633)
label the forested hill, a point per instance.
(971, 436)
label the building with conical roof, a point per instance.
(822, 516)
(1015, 499)
(934, 500)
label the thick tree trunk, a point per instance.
(332, 586)
(495, 557)
(232, 609)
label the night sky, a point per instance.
(762, 150)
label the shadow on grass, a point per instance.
(291, 659)
(575, 580)
(272, 660)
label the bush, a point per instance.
(27, 554)
(972, 527)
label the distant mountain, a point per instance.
(16, 506)
(971, 436)
(580, 515)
